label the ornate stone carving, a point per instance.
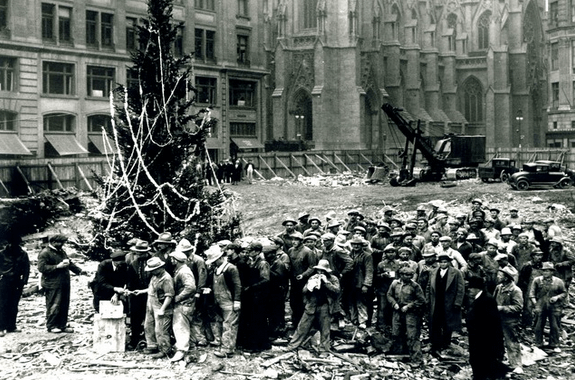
(303, 72)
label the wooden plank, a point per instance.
(314, 164)
(329, 162)
(19, 170)
(299, 163)
(357, 163)
(390, 160)
(266, 164)
(277, 359)
(286, 167)
(84, 177)
(54, 174)
(367, 159)
(4, 187)
(343, 163)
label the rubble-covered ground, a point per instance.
(36, 354)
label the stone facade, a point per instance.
(59, 59)
(474, 67)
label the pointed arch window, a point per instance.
(483, 31)
(451, 31)
(473, 101)
(309, 14)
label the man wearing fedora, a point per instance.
(445, 297)
(548, 295)
(184, 303)
(162, 247)
(111, 279)
(355, 219)
(289, 228)
(55, 266)
(138, 278)
(562, 259)
(303, 222)
(320, 290)
(510, 305)
(227, 289)
(159, 309)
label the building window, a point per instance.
(206, 90)
(59, 122)
(242, 49)
(243, 129)
(107, 30)
(555, 93)
(308, 14)
(483, 30)
(243, 8)
(451, 31)
(98, 122)
(204, 4)
(7, 71)
(131, 33)
(57, 78)
(572, 124)
(48, 21)
(473, 101)
(104, 34)
(205, 44)
(179, 42)
(3, 14)
(553, 13)
(554, 56)
(64, 24)
(242, 93)
(8, 120)
(132, 79)
(554, 125)
(100, 81)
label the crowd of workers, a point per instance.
(395, 275)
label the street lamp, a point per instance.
(519, 118)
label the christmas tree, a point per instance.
(158, 178)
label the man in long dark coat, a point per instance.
(14, 272)
(55, 266)
(445, 295)
(485, 335)
(111, 279)
(138, 278)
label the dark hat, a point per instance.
(118, 255)
(476, 282)
(289, 220)
(509, 271)
(302, 215)
(443, 256)
(255, 246)
(141, 246)
(58, 237)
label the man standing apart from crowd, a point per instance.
(510, 304)
(184, 303)
(445, 297)
(14, 272)
(548, 294)
(55, 266)
(159, 310)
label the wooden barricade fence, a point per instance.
(25, 176)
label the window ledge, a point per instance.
(105, 98)
(243, 17)
(57, 96)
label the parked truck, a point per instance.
(450, 157)
(500, 168)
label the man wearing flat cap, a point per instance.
(55, 266)
(159, 310)
(111, 279)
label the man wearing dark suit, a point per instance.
(445, 295)
(111, 279)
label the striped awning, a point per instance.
(10, 145)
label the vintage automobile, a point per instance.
(540, 173)
(501, 168)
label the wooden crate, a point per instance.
(109, 334)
